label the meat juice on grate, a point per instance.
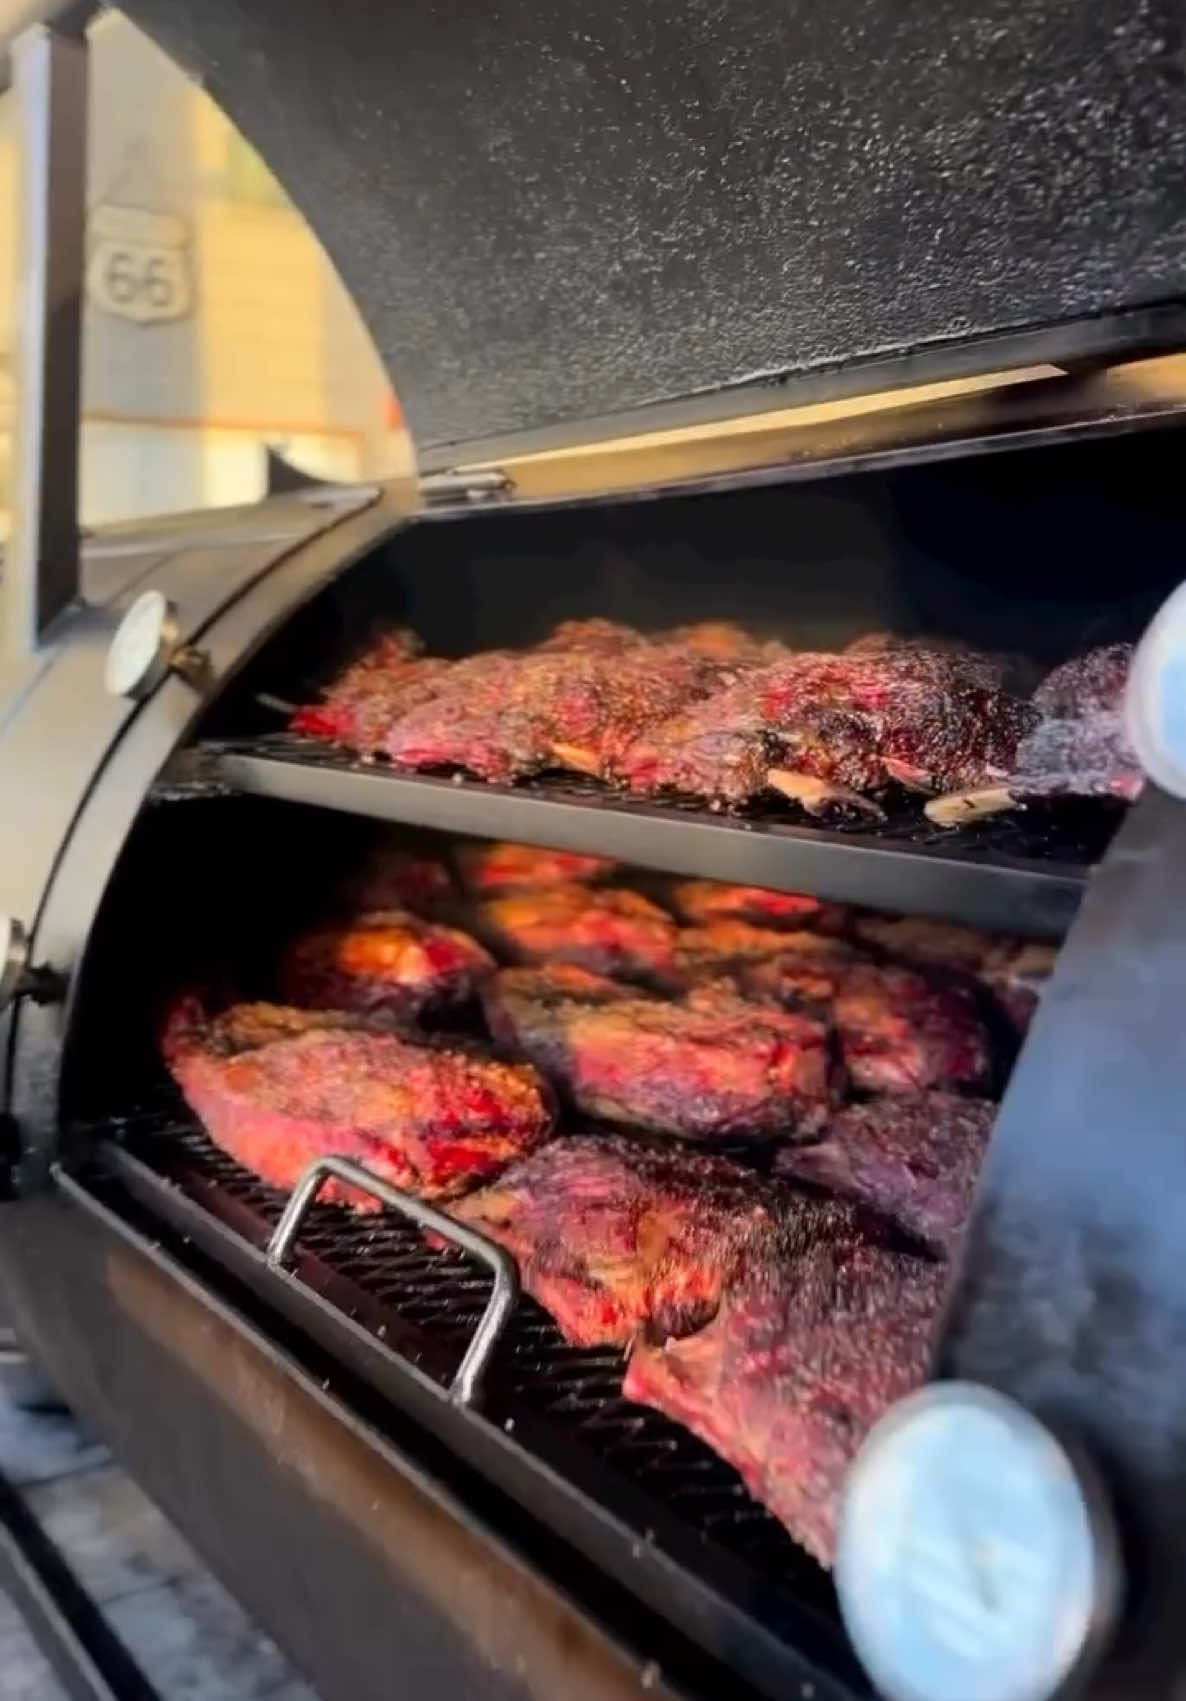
(277, 1088)
(831, 729)
(611, 930)
(809, 1347)
(612, 1235)
(913, 1158)
(388, 960)
(708, 1069)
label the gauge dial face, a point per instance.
(136, 649)
(976, 1562)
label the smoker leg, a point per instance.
(89, 1659)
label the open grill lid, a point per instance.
(550, 213)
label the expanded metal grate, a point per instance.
(1069, 831)
(424, 1303)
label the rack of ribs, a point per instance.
(613, 1236)
(833, 730)
(705, 1068)
(390, 678)
(550, 708)
(486, 870)
(914, 1159)
(611, 930)
(277, 1088)
(1079, 746)
(701, 901)
(1015, 971)
(388, 960)
(823, 1332)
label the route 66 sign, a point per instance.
(138, 264)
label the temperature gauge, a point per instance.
(977, 1559)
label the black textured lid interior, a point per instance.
(551, 213)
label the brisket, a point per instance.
(705, 1068)
(1014, 971)
(820, 1335)
(613, 1235)
(277, 1088)
(610, 930)
(488, 869)
(900, 1031)
(387, 960)
(914, 1159)
(700, 901)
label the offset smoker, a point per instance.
(296, 1404)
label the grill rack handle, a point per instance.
(466, 1386)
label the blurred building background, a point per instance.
(215, 326)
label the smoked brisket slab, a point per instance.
(705, 1068)
(899, 1030)
(488, 870)
(704, 901)
(386, 961)
(912, 1158)
(1014, 971)
(278, 1087)
(611, 930)
(614, 1235)
(822, 1333)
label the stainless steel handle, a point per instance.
(465, 1388)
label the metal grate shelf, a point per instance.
(1024, 872)
(634, 1491)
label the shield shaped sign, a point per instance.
(138, 264)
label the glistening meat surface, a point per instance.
(913, 1158)
(809, 1348)
(390, 960)
(829, 728)
(560, 708)
(488, 870)
(899, 1030)
(703, 901)
(613, 1235)
(704, 1068)
(386, 681)
(610, 930)
(277, 1088)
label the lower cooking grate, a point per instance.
(562, 1403)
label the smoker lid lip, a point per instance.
(547, 216)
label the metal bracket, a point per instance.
(465, 1388)
(42, 573)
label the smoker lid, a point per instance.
(549, 213)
